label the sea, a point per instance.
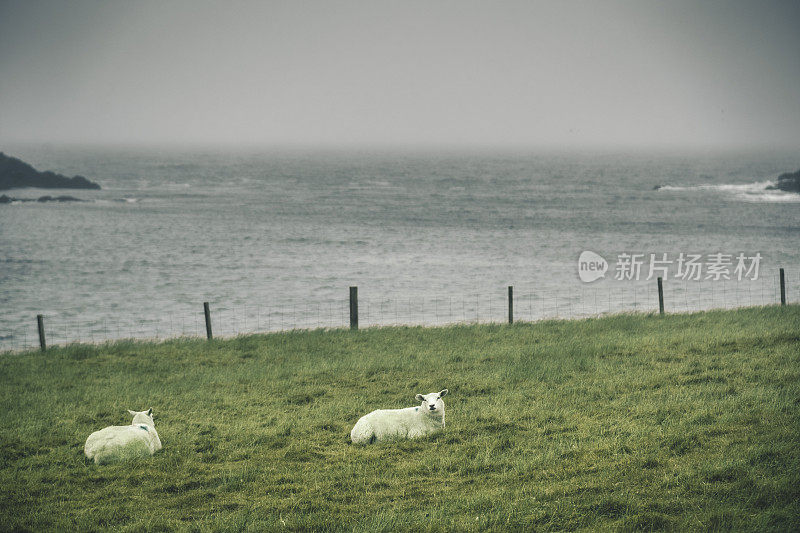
(273, 238)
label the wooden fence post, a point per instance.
(40, 323)
(354, 308)
(207, 312)
(660, 297)
(783, 289)
(510, 304)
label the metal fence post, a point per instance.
(783, 289)
(207, 312)
(40, 323)
(354, 308)
(660, 297)
(510, 304)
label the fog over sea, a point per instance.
(274, 238)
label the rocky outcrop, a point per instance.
(7, 199)
(787, 182)
(59, 199)
(15, 173)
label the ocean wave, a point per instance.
(122, 200)
(746, 192)
(771, 197)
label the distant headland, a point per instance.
(15, 173)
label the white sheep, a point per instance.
(118, 443)
(408, 423)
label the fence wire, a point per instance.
(529, 305)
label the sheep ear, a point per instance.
(443, 393)
(420, 398)
(150, 412)
(133, 413)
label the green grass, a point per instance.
(631, 422)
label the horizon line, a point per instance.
(402, 146)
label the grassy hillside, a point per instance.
(626, 422)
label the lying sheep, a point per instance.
(408, 423)
(117, 443)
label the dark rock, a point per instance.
(789, 182)
(59, 199)
(16, 173)
(8, 199)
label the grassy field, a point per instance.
(631, 422)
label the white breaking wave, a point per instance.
(124, 200)
(747, 192)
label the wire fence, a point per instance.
(529, 305)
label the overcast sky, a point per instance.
(405, 72)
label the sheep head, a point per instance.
(432, 403)
(142, 417)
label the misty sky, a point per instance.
(405, 72)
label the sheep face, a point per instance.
(432, 403)
(142, 417)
